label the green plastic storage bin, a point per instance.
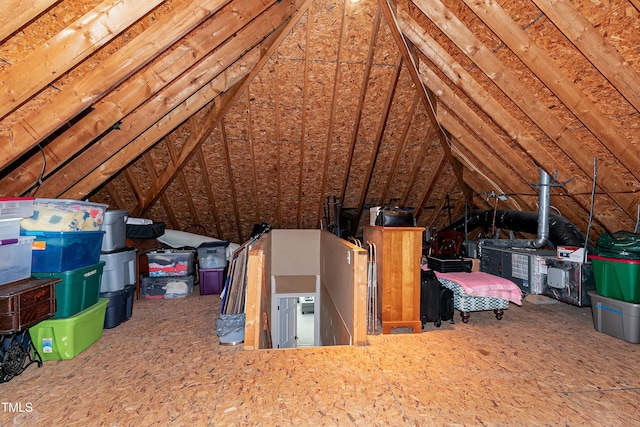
(78, 290)
(64, 339)
(617, 278)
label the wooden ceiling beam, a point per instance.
(219, 85)
(594, 46)
(427, 99)
(114, 194)
(169, 97)
(491, 107)
(337, 80)
(440, 162)
(417, 164)
(521, 95)
(386, 109)
(227, 99)
(252, 157)
(538, 61)
(400, 148)
(227, 157)
(303, 133)
(67, 49)
(21, 13)
(364, 85)
(132, 93)
(211, 198)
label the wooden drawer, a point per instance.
(25, 303)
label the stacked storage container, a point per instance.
(615, 304)
(15, 265)
(15, 250)
(171, 274)
(119, 274)
(212, 262)
(68, 237)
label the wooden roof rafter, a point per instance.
(398, 152)
(303, 132)
(417, 164)
(538, 61)
(68, 48)
(594, 46)
(440, 163)
(523, 98)
(377, 143)
(170, 97)
(92, 89)
(252, 157)
(276, 77)
(332, 112)
(211, 197)
(222, 104)
(232, 185)
(361, 99)
(428, 100)
(477, 94)
(22, 12)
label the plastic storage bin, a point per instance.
(15, 259)
(142, 231)
(171, 262)
(64, 215)
(9, 229)
(616, 318)
(617, 278)
(115, 230)
(62, 251)
(118, 307)
(119, 270)
(166, 287)
(211, 280)
(213, 254)
(16, 207)
(78, 289)
(64, 339)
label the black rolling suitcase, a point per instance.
(436, 301)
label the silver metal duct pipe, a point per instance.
(543, 222)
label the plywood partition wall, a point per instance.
(343, 276)
(342, 269)
(257, 331)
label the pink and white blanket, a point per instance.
(480, 284)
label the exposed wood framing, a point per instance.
(428, 102)
(67, 49)
(519, 94)
(22, 11)
(378, 141)
(95, 84)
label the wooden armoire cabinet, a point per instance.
(399, 250)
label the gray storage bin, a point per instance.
(115, 228)
(119, 270)
(614, 317)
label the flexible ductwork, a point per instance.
(543, 222)
(551, 228)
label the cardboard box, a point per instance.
(570, 253)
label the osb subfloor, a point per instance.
(539, 365)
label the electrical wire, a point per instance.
(593, 197)
(32, 190)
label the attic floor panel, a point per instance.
(539, 365)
